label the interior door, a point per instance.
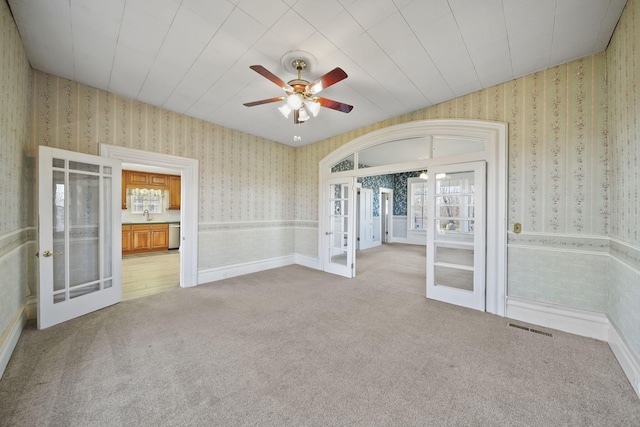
(79, 234)
(365, 213)
(339, 226)
(456, 248)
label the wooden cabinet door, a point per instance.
(174, 192)
(141, 238)
(126, 238)
(158, 180)
(160, 237)
(137, 178)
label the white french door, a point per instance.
(79, 234)
(456, 236)
(339, 226)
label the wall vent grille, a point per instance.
(535, 331)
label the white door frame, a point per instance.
(495, 135)
(389, 216)
(189, 185)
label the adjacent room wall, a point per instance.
(17, 232)
(623, 74)
(246, 192)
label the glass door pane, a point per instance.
(79, 234)
(456, 240)
(339, 225)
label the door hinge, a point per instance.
(352, 266)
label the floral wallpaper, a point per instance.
(17, 174)
(623, 75)
(374, 183)
(242, 177)
(558, 157)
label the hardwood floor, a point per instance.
(149, 274)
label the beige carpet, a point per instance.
(296, 347)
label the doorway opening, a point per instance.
(150, 265)
(419, 145)
(188, 171)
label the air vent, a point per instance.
(524, 328)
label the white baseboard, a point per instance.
(583, 323)
(580, 322)
(307, 261)
(628, 360)
(219, 273)
(9, 338)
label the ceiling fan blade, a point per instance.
(323, 82)
(264, 101)
(334, 105)
(269, 75)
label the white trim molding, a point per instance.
(189, 186)
(10, 337)
(220, 273)
(629, 361)
(580, 322)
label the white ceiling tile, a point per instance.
(163, 10)
(389, 32)
(291, 27)
(318, 13)
(195, 28)
(243, 27)
(319, 46)
(272, 45)
(420, 14)
(367, 54)
(444, 45)
(215, 12)
(342, 29)
(265, 12)
(130, 69)
(370, 12)
(179, 50)
(142, 32)
(225, 44)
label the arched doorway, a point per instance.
(420, 145)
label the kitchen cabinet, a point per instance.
(126, 238)
(145, 180)
(174, 192)
(145, 238)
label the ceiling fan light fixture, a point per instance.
(285, 110)
(303, 115)
(294, 101)
(313, 107)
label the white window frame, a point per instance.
(410, 225)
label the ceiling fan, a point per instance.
(300, 94)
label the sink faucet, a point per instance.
(146, 213)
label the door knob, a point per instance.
(328, 232)
(49, 253)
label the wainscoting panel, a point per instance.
(235, 243)
(557, 269)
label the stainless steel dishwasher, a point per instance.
(174, 236)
